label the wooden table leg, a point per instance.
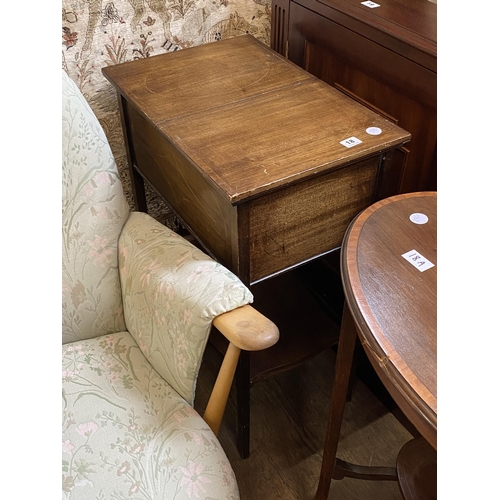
(343, 367)
(243, 403)
(138, 190)
(136, 180)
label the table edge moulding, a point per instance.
(420, 397)
(390, 286)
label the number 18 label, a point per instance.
(352, 141)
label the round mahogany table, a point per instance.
(389, 273)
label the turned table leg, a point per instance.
(343, 367)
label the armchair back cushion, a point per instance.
(94, 210)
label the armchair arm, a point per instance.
(172, 293)
(245, 328)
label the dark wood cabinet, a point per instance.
(383, 57)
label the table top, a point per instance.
(389, 271)
(249, 119)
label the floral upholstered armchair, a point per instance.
(138, 305)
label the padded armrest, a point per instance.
(171, 292)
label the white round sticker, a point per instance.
(373, 130)
(419, 218)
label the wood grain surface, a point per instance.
(394, 304)
(204, 77)
(385, 58)
(247, 118)
(414, 21)
(268, 141)
(417, 470)
(203, 209)
(251, 161)
(307, 219)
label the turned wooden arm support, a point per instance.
(247, 329)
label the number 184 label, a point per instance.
(417, 260)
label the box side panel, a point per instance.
(204, 211)
(307, 219)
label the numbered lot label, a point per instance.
(349, 143)
(417, 260)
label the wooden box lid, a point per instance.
(204, 77)
(251, 120)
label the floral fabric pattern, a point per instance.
(94, 210)
(128, 434)
(129, 430)
(172, 291)
(99, 33)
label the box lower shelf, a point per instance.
(293, 302)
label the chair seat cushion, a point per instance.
(128, 434)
